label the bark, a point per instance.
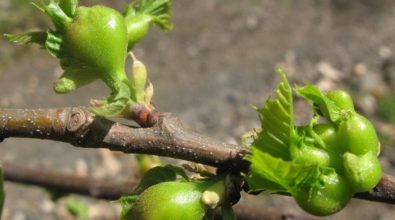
(167, 137)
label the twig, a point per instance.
(67, 183)
(79, 127)
(166, 138)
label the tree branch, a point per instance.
(166, 138)
(68, 183)
(79, 127)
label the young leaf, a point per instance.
(277, 122)
(69, 6)
(288, 176)
(140, 14)
(178, 170)
(321, 104)
(156, 175)
(59, 18)
(74, 77)
(158, 10)
(273, 167)
(127, 203)
(38, 37)
(114, 104)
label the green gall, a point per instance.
(310, 155)
(327, 133)
(341, 99)
(327, 199)
(97, 39)
(363, 172)
(357, 135)
(171, 200)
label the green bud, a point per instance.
(139, 80)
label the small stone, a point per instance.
(328, 71)
(359, 69)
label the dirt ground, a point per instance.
(219, 59)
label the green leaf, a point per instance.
(277, 122)
(77, 208)
(178, 170)
(51, 40)
(289, 175)
(2, 193)
(158, 10)
(156, 175)
(321, 104)
(69, 6)
(258, 183)
(38, 37)
(54, 44)
(59, 18)
(127, 203)
(74, 77)
(272, 166)
(115, 104)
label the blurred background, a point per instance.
(218, 61)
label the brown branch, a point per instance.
(80, 128)
(68, 183)
(166, 138)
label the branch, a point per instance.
(68, 183)
(79, 127)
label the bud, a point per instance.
(139, 80)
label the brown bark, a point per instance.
(166, 138)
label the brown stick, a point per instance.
(166, 138)
(80, 128)
(67, 183)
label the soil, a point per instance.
(218, 61)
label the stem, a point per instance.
(113, 190)
(67, 183)
(167, 137)
(80, 128)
